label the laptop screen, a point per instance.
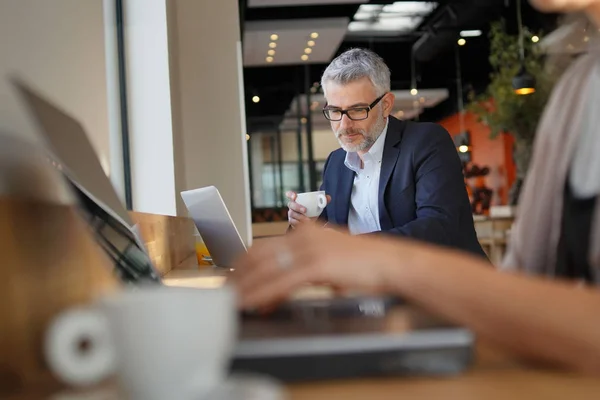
(69, 145)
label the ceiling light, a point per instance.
(586, 39)
(414, 92)
(363, 16)
(308, 50)
(304, 57)
(392, 24)
(274, 36)
(410, 7)
(269, 59)
(314, 35)
(271, 52)
(462, 42)
(303, 120)
(535, 39)
(422, 100)
(255, 99)
(400, 114)
(370, 8)
(472, 33)
(310, 43)
(523, 83)
(272, 45)
(463, 148)
(397, 17)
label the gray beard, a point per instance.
(368, 139)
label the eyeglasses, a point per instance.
(354, 113)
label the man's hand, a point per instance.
(296, 212)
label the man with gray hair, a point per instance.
(389, 176)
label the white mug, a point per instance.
(314, 202)
(160, 342)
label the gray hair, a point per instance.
(355, 64)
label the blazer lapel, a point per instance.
(391, 151)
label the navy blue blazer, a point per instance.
(422, 192)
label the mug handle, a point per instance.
(322, 199)
(78, 347)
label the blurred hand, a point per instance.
(296, 212)
(272, 269)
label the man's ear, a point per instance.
(388, 103)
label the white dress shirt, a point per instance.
(363, 216)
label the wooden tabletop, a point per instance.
(493, 376)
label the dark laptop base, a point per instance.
(349, 338)
(408, 362)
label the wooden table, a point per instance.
(493, 376)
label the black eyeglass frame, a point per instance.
(345, 112)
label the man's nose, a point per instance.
(346, 122)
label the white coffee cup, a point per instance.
(314, 202)
(160, 342)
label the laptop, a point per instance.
(213, 221)
(304, 339)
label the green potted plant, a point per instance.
(506, 112)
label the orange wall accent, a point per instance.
(494, 153)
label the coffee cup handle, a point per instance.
(78, 347)
(322, 201)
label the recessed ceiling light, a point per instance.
(310, 43)
(535, 39)
(463, 148)
(462, 42)
(272, 45)
(414, 92)
(303, 120)
(314, 35)
(422, 99)
(308, 50)
(271, 52)
(304, 57)
(269, 59)
(400, 16)
(472, 33)
(255, 99)
(409, 7)
(274, 36)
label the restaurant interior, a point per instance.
(136, 102)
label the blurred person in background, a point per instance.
(544, 304)
(392, 177)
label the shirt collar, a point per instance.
(375, 153)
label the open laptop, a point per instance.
(213, 221)
(304, 339)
